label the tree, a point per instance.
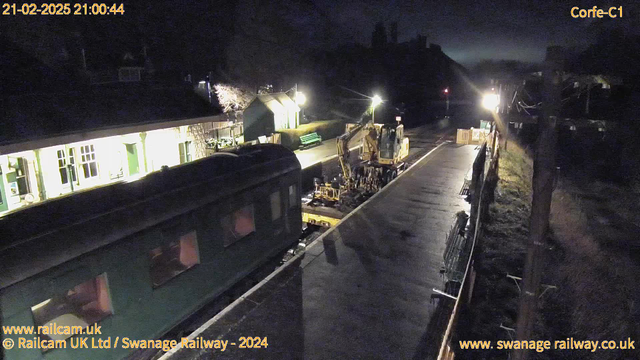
(233, 98)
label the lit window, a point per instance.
(293, 196)
(185, 151)
(76, 309)
(88, 161)
(238, 225)
(72, 163)
(22, 176)
(275, 206)
(62, 166)
(67, 169)
(174, 258)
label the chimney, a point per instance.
(379, 36)
(422, 41)
(208, 87)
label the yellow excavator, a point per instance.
(382, 157)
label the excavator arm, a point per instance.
(342, 143)
(328, 192)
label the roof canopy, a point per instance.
(37, 116)
(277, 102)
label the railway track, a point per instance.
(422, 140)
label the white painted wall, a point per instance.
(14, 200)
(111, 156)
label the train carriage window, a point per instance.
(238, 224)
(172, 259)
(293, 196)
(276, 212)
(76, 309)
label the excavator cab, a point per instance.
(394, 147)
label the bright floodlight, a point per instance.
(376, 100)
(490, 101)
(300, 98)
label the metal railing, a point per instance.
(486, 161)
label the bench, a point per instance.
(309, 140)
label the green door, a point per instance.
(132, 159)
(3, 198)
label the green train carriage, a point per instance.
(138, 258)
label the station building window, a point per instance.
(238, 224)
(172, 259)
(66, 166)
(84, 305)
(22, 176)
(185, 152)
(88, 161)
(276, 211)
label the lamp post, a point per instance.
(299, 99)
(375, 101)
(446, 94)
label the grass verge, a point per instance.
(500, 251)
(594, 264)
(593, 257)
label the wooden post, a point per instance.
(543, 178)
(494, 134)
(491, 182)
(506, 135)
(586, 107)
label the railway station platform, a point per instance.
(362, 289)
(326, 151)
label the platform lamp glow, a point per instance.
(491, 102)
(300, 98)
(375, 101)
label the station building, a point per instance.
(52, 145)
(269, 113)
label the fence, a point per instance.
(472, 136)
(483, 183)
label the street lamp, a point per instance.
(375, 101)
(446, 94)
(491, 102)
(300, 98)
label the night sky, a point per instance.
(210, 33)
(469, 31)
